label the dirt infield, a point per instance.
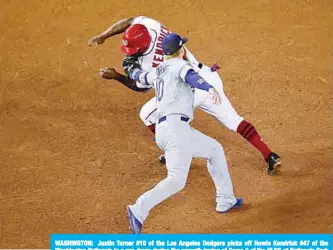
(74, 152)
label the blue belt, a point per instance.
(182, 118)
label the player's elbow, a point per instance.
(130, 20)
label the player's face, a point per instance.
(182, 52)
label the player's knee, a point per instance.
(233, 125)
(178, 181)
(143, 114)
(179, 184)
(215, 145)
(148, 116)
(216, 149)
(143, 117)
(182, 182)
(233, 120)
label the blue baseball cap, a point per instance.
(172, 43)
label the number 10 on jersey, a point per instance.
(159, 89)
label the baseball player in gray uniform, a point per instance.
(174, 81)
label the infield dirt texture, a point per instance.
(74, 151)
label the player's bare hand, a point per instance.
(215, 96)
(108, 73)
(96, 40)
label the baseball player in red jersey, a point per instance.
(142, 38)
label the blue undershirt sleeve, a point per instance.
(192, 78)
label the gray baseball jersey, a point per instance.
(173, 95)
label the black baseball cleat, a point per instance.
(273, 161)
(162, 159)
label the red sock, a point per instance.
(152, 128)
(248, 131)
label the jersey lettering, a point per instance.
(158, 55)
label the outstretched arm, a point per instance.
(192, 78)
(111, 73)
(133, 70)
(115, 29)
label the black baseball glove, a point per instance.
(130, 63)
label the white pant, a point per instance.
(224, 113)
(181, 142)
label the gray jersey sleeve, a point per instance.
(183, 71)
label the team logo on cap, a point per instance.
(125, 42)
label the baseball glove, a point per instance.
(130, 63)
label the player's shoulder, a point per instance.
(144, 20)
(176, 65)
(176, 62)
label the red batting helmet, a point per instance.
(135, 39)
